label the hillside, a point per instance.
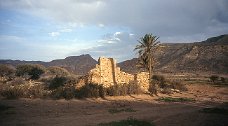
(76, 64)
(210, 55)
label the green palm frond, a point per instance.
(146, 49)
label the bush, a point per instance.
(128, 122)
(35, 91)
(215, 110)
(117, 90)
(5, 107)
(67, 92)
(178, 85)
(12, 92)
(6, 71)
(24, 91)
(159, 78)
(57, 82)
(90, 90)
(58, 71)
(123, 89)
(118, 110)
(223, 79)
(17, 81)
(134, 88)
(214, 78)
(152, 88)
(165, 86)
(63, 87)
(32, 71)
(170, 99)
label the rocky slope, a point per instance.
(210, 55)
(76, 64)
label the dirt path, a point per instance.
(90, 112)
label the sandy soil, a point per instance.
(90, 112)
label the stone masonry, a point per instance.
(108, 74)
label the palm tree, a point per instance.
(146, 49)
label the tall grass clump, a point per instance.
(12, 92)
(90, 91)
(67, 92)
(166, 86)
(57, 82)
(128, 122)
(123, 89)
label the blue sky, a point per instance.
(54, 29)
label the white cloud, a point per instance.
(173, 18)
(119, 45)
(66, 30)
(11, 38)
(101, 25)
(54, 34)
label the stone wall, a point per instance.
(107, 73)
(143, 80)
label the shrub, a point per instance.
(90, 90)
(17, 81)
(117, 90)
(63, 87)
(134, 88)
(57, 82)
(170, 99)
(123, 89)
(35, 91)
(67, 92)
(178, 85)
(223, 79)
(215, 110)
(118, 110)
(159, 78)
(128, 122)
(214, 78)
(5, 107)
(158, 81)
(152, 88)
(27, 90)
(33, 71)
(165, 85)
(166, 91)
(58, 71)
(6, 71)
(12, 92)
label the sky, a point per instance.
(45, 30)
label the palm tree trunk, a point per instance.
(154, 90)
(150, 70)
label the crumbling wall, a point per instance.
(107, 73)
(143, 80)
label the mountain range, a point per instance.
(79, 65)
(210, 55)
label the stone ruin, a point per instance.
(108, 74)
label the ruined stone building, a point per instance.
(107, 73)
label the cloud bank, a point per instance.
(172, 21)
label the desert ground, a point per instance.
(91, 112)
